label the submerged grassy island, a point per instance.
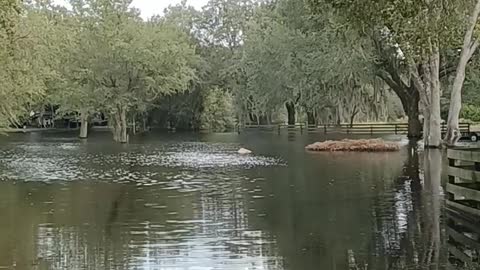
(347, 145)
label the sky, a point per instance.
(153, 7)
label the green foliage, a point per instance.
(218, 114)
(23, 72)
(213, 70)
(107, 59)
(224, 21)
(287, 58)
(412, 25)
(194, 69)
(471, 112)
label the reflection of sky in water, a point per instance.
(403, 205)
(203, 206)
(216, 236)
(395, 222)
(66, 162)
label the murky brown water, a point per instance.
(190, 202)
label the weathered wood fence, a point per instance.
(463, 207)
(360, 129)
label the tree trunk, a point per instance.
(435, 111)
(144, 123)
(123, 125)
(428, 85)
(291, 112)
(83, 124)
(40, 117)
(469, 47)
(352, 116)
(252, 117)
(134, 125)
(116, 126)
(426, 126)
(53, 115)
(262, 119)
(311, 118)
(413, 113)
(409, 95)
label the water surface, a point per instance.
(184, 201)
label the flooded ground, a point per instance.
(191, 202)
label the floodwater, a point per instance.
(190, 202)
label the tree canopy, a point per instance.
(236, 62)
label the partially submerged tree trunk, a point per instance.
(435, 111)
(83, 124)
(470, 45)
(410, 98)
(144, 123)
(355, 111)
(291, 112)
(263, 119)
(413, 114)
(428, 86)
(252, 117)
(119, 125)
(134, 125)
(409, 90)
(114, 125)
(123, 130)
(53, 115)
(41, 122)
(426, 124)
(311, 120)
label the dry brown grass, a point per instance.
(372, 145)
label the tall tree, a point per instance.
(416, 32)
(23, 73)
(470, 45)
(121, 65)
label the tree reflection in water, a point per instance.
(375, 211)
(412, 238)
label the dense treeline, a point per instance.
(239, 62)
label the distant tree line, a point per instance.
(240, 62)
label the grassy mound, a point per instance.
(373, 145)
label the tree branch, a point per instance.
(385, 76)
(447, 71)
(400, 90)
(473, 48)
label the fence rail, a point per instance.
(463, 206)
(463, 187)
(358, 129)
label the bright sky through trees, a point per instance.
(153, 7)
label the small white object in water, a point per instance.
(244, 151)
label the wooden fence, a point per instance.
(463, 242)
(356, 129)
(463, 207)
